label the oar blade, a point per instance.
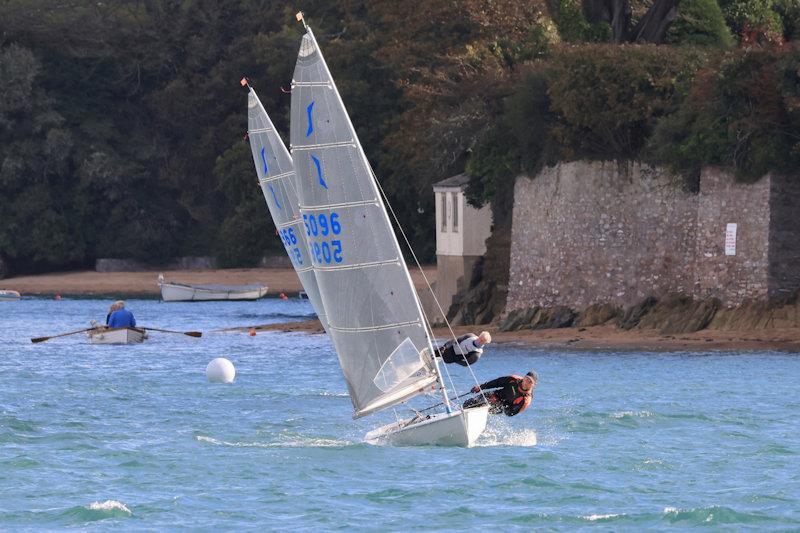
(39, 339)
(194, 333)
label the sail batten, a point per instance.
(276, 176)
(379, 329)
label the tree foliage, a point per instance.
(121, 123)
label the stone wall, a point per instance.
(733, 279)
(784, 238)
(587, 233)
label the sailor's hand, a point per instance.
(476, 389)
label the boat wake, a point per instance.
(294, 442)
(502, 435)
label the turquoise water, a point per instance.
(95, 437)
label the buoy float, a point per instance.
(220, 370)
(282, 296)
(58, 296)
(252, 332)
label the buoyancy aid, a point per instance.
(516, 400)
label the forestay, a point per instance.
(278, 183)
(375, 319)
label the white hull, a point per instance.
(459, 428)
(9, 296)
(117, 336)
(173, 292)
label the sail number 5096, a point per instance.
(324, 250)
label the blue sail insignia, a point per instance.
(274, 196)
(319, 172)
(264, 159)
(309, 111)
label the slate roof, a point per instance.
(457, 181)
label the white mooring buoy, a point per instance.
(220, 370)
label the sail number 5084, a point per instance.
(324, 250)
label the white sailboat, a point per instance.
(276, 176)
(375, 319)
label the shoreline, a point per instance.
(604, 338)
(143, 284)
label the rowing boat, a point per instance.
(117, 335)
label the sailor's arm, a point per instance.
(494, 384)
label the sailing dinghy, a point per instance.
(375, 319)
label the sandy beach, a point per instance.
(606, 337)
(143, 284)
(609, 337)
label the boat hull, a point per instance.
(459, 428)
(117, 336)
(186, 293)
(9, 296)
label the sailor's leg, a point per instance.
(475, 401)
(448, 353)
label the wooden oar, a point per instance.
(189, 333)
(42, 339)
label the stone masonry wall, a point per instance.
(597, 232)
(784, 238)
(733, 279)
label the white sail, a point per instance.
(375, 318)
(277, 179)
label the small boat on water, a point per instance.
(7, 295)
(181, 292)
(103, 335)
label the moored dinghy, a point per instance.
(103, 335)
(181, 292)
(7, 295)
(375, 319)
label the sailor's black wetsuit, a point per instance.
(451, 352)
(509, 400)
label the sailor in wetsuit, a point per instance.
(466, 351)
(513, 394)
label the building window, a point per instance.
(455, 212)
(444, 212)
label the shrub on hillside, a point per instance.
(607, 99)
(742, 114)
(700, 22)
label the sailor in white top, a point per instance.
(467, 351)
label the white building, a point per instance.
(461, 233)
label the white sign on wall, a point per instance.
(730, 239)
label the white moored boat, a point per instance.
(9, 295)
(374, 316)
(180, 292)
(117, 335)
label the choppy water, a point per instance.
(96, 437)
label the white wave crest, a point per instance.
(637, 414)
(294, 443)
(671, 510)
(594, 517)
(109, 505)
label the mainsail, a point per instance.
(277, 179)
(374, 316)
